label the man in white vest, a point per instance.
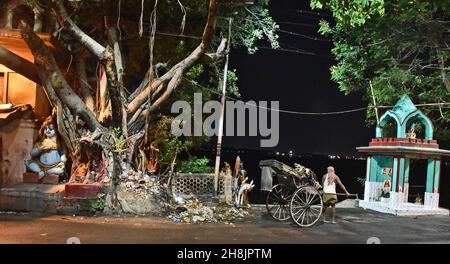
(329, 182)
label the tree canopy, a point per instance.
(400, 46)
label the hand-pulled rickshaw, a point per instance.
(296, 195)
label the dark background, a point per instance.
(302, 83)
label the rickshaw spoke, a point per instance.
(303, 218)
(275, 213)
(306, 215)
(302, 212)
(315, 199)
(307, 196)
(315, 210)
(310, 216)
(298, 211)
(318, 208)
(300, 198)
(280, 212)
(276, 196)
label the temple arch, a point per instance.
(13, 11)
(22, 12)
(385, 122)
(418, 116)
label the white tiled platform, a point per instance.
(407, 209)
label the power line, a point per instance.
(297, 24)
(177, 35)
(309, 14)
(290, 32)
(316, 113)
(301, 11)
(297, 51)
(303, 35)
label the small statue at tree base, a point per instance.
(46, 157)
(242, 191)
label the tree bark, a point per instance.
(114, 42)
(64, 119)
(113, 91)
(85, 88)
(104, 105)
(44, 58)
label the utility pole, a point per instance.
(374, 103)
(222, 113)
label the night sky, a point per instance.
(300, 83)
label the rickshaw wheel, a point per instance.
(277, 203)
(306, 206)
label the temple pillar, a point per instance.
(395, 173)
(378, 132)
(9, 18)
(38, 19)
(431, 200)
(406, 180)
(372, 186)
(430, 176)
(397, 196)
(368, 184)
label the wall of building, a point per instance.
(21, 90)
(376, 170)
(17, 139)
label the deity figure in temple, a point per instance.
(46, 156)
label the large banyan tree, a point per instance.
(127, 58)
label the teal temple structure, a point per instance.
(389, 158)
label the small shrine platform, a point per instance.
(407, 209)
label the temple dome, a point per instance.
(403, 112)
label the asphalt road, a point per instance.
(354, 226)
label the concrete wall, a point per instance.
(23, 91)
(17, 139)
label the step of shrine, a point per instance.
(31, 197)
(47, 198)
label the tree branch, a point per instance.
(180, 67)
(219, 54)
(19, 65)
(44, 58)
(93, 46)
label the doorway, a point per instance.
(417, 179)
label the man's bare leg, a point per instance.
(324, 212)
(334, 214)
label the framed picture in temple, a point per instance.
(387, 171)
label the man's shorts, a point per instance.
(329, 199)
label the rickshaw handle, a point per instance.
(352, 194)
